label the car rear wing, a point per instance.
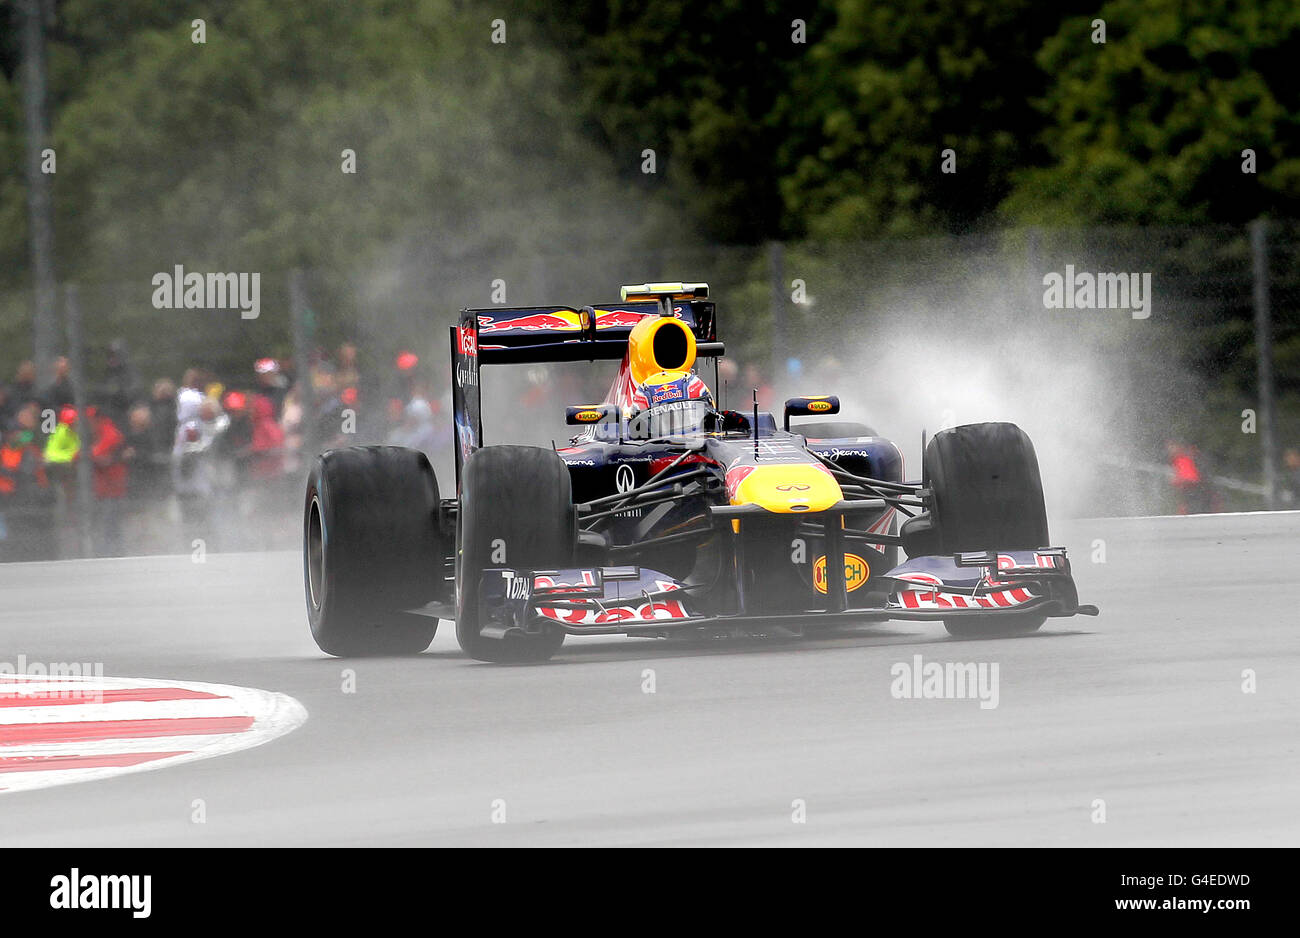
(531, 334)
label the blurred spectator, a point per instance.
(8, 407)
(1189, 490)
(110, 475)
(189, 397)
(346, 366)
(24, 387)
(233, 445)
(291, 423)
(120, 383)
(26, 525)
(59, 393)
(271, 382)
(1290, 486)
(325, 429)
(162, 414)
(267, 444)
(144, 455)
(194, 464)
(63, 446)
(418, 429)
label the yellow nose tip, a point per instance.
(788, 489)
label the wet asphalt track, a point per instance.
(1141, 707)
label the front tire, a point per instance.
(516, 510)
(993, 626)
(371, 549)
(988, 495)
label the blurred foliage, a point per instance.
(523, 160)
(1150, 127)
(889, 88)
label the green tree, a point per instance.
(703, 85)
(890, 87)
(229, 155)
(1150, 127)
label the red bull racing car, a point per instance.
(666, 514)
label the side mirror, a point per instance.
(730, 421)
(582, 415)
(818, 406)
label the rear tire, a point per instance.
(515, 502)
(988, 495)
(371, 548)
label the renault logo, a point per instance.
(624, 478)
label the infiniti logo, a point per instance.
(792, 487)
(624, 478)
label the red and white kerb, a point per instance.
(55, 731)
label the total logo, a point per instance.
(856, 572)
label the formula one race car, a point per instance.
(666, 514)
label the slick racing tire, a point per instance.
(833, 430)
(988, 495)
(516, 510)
(371, 549)
(987, 491)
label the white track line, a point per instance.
(1204, 514)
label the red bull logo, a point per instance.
(558, 321)
(667, 392)
(607, 319)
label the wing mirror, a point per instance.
(581, 415)
(729, 421)
(818, 406)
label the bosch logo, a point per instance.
(624, 478)
(856, 573)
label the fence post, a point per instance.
(32, 15)
(1264, 358)
(85, 433)
(301, 355)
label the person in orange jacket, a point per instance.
(1189, 487)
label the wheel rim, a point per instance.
(315, 554)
